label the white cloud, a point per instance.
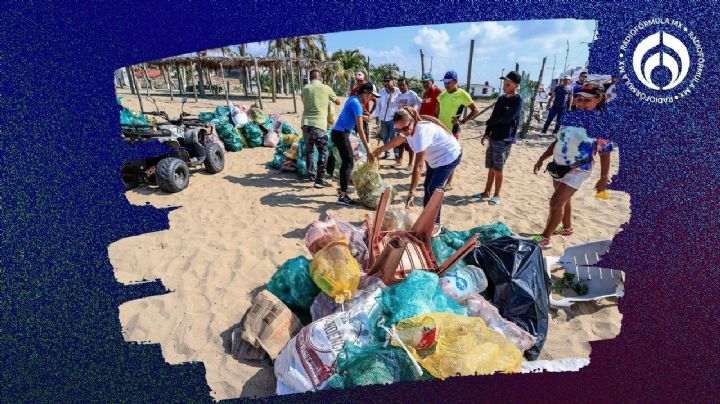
(490, 33)
(437, 42)
(257, 49)
(394, 55)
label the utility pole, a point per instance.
(501, 82)
(431, 63)
(552, 76)
(567, 51)
(422, 63)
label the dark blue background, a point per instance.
(62, 200)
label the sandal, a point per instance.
(563, 231)
(495, 201)
(543, 242)
(480, 197)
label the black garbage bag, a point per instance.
(518, 284)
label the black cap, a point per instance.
(388, 77)
(368, 88)
(512, 76)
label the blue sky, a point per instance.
(498, 46)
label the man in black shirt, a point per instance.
(501, 129)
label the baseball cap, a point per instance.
(450, 75)
(360, 76)
(388, 77)
(427, 77)
(368, 88)
(512, 76)
(566, 77)
(590, 90)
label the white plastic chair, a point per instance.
(580, 260)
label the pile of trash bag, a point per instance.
(128, 118)
(479, 317)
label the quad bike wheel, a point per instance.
(214, 158)
(172, 174)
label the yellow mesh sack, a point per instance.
(335, 271)
(447, 344)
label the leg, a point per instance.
(391, 135)
(567, 215)
(309, 150)
(385, 136)
(558, 121)
(501, 151)
(489, 183)
(456, 133)
(548, 121)
(321, 143)
(438, 178)
(426, 184)
(498, 183)
(491, 171)
(342, 142)
(560, 197)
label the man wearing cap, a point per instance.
(407, 99)
(316, 97)
(611, 89)
(451, 104)
(577, 86)
(351, 117)
(560, 100)
(386, 108)
(500, 130)
(429, 105)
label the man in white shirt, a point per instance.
(386, 107)
(611, 89)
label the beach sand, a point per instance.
(233, 229)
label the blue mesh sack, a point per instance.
(253, 134)
(292, 284)
(230, 136)
(419, 293)
(286, 128)
(362, 366)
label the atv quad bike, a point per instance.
(171, 171)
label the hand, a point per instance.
(602, 184)
(410, 202)
(537, 166)
(377, 121)
(456, 121)
(482, 141)
(377, 152)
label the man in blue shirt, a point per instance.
(560, 100)
(351, 117)
(501, 129)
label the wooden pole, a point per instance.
(131, 83)
(517, 68)
(526, 125)
(201, 84)
(167, 81)
(274, 79)
(257, 82)
(227, 88)
(469, 73)
(246, 80)
(282, 79)
(422, 62)
(134, 82)
(179, 79)
(147, 80)
(192, 82)
(292, 84)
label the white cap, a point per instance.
(566, 77)
(360, 76)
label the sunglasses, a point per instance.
(404, 129)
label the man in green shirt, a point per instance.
(316, 98)
(451, 104)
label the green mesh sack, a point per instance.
(287, 129)
(206, 116)
(253, 134)
(369, 184)
(292, 284)
(230, 136)
(222, 110)
(486, 234)
(362, 366)
(419, 293)
(279, 156)
(442, 252)
(302, 171)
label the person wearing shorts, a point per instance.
(572, 146)
(500, 131)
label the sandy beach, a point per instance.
(231, 230)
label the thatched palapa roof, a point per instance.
(236, 62)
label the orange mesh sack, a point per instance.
(335, 271)
(447, 344)
(322, 233)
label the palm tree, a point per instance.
(350, 61)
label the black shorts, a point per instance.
(496, 154)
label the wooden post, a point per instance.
(469, 73)
(292, 84)
(163, 70)
(201, 84)
(246, 80)
(130, 73)
(147, 80)
(282, 79)
(517, 68)
(274, 89)
(526, 125)
(135, 84)
(179, 79)
(192, 82)
(227, 88)
(257, 82)
(422, 62)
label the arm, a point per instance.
(437, 110)
(474, 112)
(507, 116)
(571, 97)
(604, 172)
(415, 179)
(552, 95)
(337, 101)
(543, 157)
(397, 141)
(361, 132)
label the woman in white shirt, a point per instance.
(433, 143)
